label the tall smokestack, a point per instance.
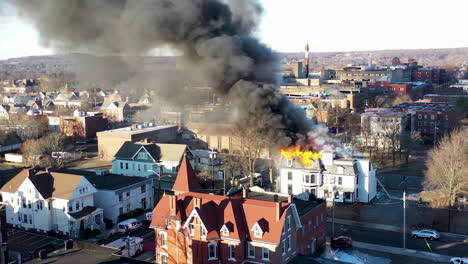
(306, 61)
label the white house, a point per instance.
(50, 201)
(349, 179)
(117, 194)
(143, 159)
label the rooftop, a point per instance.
(137, 129)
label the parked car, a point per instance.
(129, 225)
(459, 261)
(81, 148)
(342, 241)
(425, 233)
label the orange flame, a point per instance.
(306, 156)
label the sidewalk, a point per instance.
(385, 227)
(405, 252)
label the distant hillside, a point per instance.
(429, 57)
(66, 65)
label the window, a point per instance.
(203, 232)
(120, 197)
(284, 247)
(425, 116)
(143, 188)
(121, 165)
(258, 231)
(142, 155)
(128, 194)
(225, 231)
(192, 229)
(121, 210)
(29, 204)
(23, 200)
(39, 205)
(126, 165)
(143, 203)
(289, 188)
(164, 258)
(139, 169)
(30, 219)
(25, 218)
(290, 175)
(145, 168)
(70, 208)
(289, 243)
(419, 116)
(289, 222)
(340, 180)
(212, 251)
(265, 253)
(77, 205)
(232, 251)
(133, 166)
(19, 217)
(251, 250)
(163, 236)
(432, 117)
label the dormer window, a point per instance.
(224, 231)
(258, 232)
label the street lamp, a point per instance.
(213, 156)
(159, 179)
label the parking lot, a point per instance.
(29, 244)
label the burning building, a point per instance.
(327, 175)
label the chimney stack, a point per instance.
(30, 172)
(278, 210)
(290, 198)
(173, 205)
(197, 202)
(245, 192)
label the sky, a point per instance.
(327, 25)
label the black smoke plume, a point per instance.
(215, 38)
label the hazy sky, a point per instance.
(327, 25)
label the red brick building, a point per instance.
(254, 227)
(83, 125)
(392, 88)
(430, 75)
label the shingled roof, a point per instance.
(49, 184)
(237, 213)
(186, 180)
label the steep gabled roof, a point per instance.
(237, 213)
(187, 180)
(49, 184)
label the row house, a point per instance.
(47, 201)
(192, 227)
(330, 177)
(117, 194)
(144, 158)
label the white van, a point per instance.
(129, 225)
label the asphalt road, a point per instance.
(446, 245)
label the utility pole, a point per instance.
(404, 219)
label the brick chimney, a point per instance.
(245, 192)
(30, 172)
(197, 202)
(173, 205)
(290, 198)
(278, 210)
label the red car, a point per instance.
(342, 241)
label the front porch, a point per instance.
(89, 217)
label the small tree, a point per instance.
(447, 165)
(392, 134)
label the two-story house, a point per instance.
(192, 227)
(51, 201)
(346, 179)
(145, 159)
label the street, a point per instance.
(446, 245)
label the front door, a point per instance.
(312, 247)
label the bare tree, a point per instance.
(447, 165)
(48, 151)
(392, 134)
(253, 142)
(408, 142)
(366, 137)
